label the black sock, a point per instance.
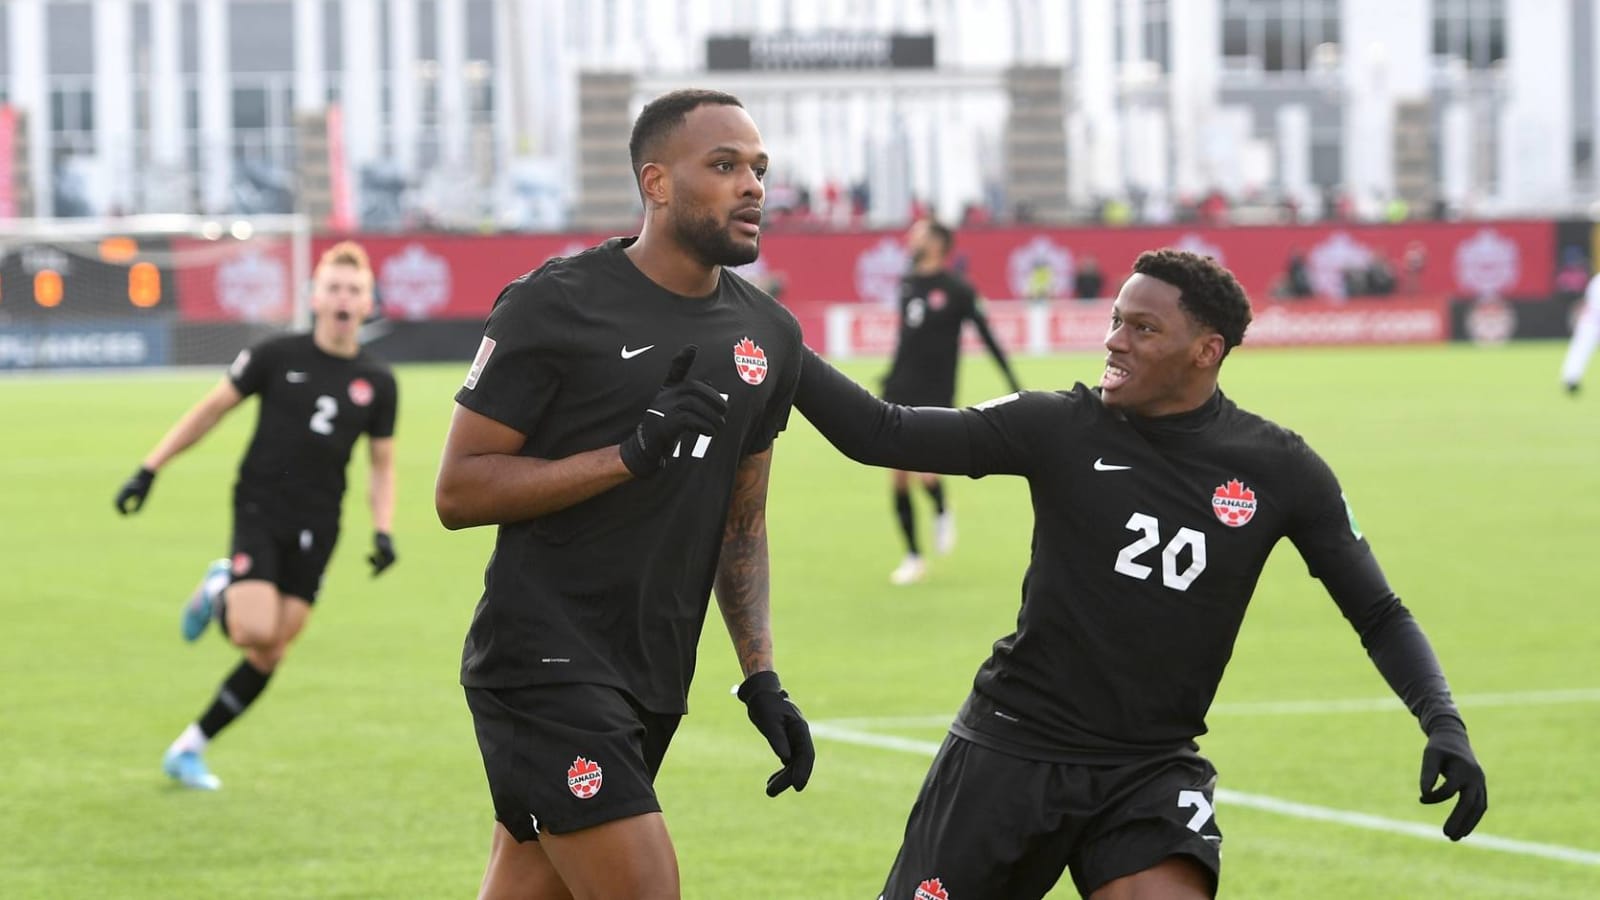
(908, 524)
(936, 491)
(238, 691)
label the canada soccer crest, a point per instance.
(932, 889)
(936, 299)
(751, 361)
(361, 392)
(583, 778)
(1233, 503)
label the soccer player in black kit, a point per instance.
(319, 393)
(934, 304)
(617, 425)
(1156, 503)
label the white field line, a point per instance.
(1293, 707)
(835, 732)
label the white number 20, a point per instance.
(1150, 529)
(322, 419)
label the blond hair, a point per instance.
(346, 253)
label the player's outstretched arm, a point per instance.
(185, 433)
(1404, 656)
(981, 322)
(380, 495)
(744, 591)
(868, 430)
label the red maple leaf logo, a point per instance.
(932, 889)
(584, 778)
(1233, 503)
(750, 361)
(1235, 490)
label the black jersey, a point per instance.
(932, 310)
(614, 590)
(314, 406)
(1149, 536)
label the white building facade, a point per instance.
(464, 113)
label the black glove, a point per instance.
(681, 408)
(780, 722)
(382, 556)
(130, 498)
(1449, 754)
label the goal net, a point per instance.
(148, 290)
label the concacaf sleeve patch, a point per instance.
(485, 350)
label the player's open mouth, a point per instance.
(1113, 377)
(342, 315)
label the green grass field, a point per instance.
(357, 776)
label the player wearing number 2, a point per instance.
(319, 393)
(1156, 503)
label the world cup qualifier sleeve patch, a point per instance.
(584, 778)
(485, 350)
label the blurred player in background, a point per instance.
(935, 302)
(1585, 335)
(617, 425)
(319, 393)
(1156, 503)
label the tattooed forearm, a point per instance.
(743, 579)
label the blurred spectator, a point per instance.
(1573, 275)
(1380, 277)
(1041, 282)
(1296, 282)
(1415, 260)
(1288, 209)
(1089, 282)
(1116, 212)
(1214, 208)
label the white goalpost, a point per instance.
(148, 290)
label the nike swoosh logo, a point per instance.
(630, 354)
(295, 377)
(1100, 465)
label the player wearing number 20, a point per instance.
(319, 393)
(1156, 503)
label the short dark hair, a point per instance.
(1207, 292)
(662, 116)
(938, 229)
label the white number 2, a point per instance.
(1150, 529)
(1202, 808)
(322, 419)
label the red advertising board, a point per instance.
(226, 280)
(430, 276)
(441, 276)
(858, 329)
(1510, 259)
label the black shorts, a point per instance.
(292, 553)
(562, 757)
(990, 825)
